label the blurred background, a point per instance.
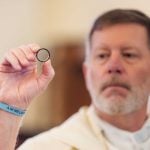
(61, 26)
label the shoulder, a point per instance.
(58, 137)
(43, 141)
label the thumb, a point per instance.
(46, 76)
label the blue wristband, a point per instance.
(11, 109)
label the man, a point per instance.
(117, 76)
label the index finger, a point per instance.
(34, 47)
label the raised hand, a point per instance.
(19, 80)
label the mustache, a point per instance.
(115, 82)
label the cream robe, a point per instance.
(84, 131)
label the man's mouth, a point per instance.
(116, 86)
(115, 89)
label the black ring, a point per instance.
(44, 50)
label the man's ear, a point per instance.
(85, 70)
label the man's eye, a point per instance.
(102, 56)
(129, 55)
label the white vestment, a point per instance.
(85, 131)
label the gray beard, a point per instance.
(120, 106)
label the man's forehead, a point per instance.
(120, 32)
(122, 26)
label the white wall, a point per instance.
(43, 21)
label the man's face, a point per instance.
(117, 71)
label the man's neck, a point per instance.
(130, 122)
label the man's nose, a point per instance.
(115, 64)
